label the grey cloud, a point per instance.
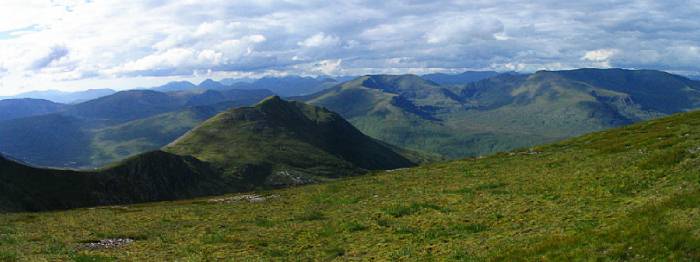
(55, 53)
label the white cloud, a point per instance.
(320, 40)
(71, 43)
(465, 28)
(600, 55)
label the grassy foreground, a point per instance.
(625, 194)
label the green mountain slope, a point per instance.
(279, 143)
(114, 127)
(630, 193)
(506, 111)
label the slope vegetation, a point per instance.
(625, 194)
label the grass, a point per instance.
(624, 194)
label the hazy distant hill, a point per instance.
(18, 108)
(175, 86)
(285, 86)
(64, 97)
(289, 85)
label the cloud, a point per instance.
(465, 29)
(599, 55)
(54, 54)
(320, 40)
(79, 43)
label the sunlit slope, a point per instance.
(631, 193)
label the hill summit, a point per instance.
(278, 142)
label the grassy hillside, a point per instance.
(626, 194)
(506, 111)
(278, 142)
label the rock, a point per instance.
(250, 198)
(108, 243)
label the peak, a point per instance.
(271, 100)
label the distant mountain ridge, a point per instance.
(505, 111)
(26, 107)
(284, 86)
(63, 97)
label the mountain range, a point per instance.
(629, 193)
(505, 111)
(274, 143)
(284, 86)
(497, 113)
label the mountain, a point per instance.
(211, 84)
(65, 97)
(277, 142)
(175, 86)
(623, 194)
(19, 108)
(110, 128)
(127, 105)
(402, 110)
(49, 140)
(506, 111)
(288, 86)
(285, 86)
(241, 97)
(231, 81)
(459, 79)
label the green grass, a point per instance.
(624, 194)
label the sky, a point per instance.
(80, 44)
